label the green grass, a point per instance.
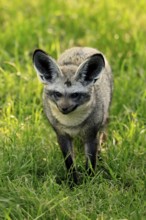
(30, 158)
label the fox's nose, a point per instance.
(65, 110)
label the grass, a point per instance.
(31, 160)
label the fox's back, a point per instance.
(76, 55)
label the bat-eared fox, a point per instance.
(76, 98)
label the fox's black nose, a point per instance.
(65, 110)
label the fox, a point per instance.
(77, 95)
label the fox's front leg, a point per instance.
(65, 143)
(91, 147)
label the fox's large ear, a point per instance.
(89, 71)
(46, 67)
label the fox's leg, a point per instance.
(91, 154)
(103, 134)
(65, 143)
(91, 147)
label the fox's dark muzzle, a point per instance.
(67, 110)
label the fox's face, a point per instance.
(68, 87)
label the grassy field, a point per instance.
(30, 158)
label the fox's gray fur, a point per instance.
(77, 95)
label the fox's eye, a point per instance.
(57, 94)
(75, 95)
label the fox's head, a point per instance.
(68, 86)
